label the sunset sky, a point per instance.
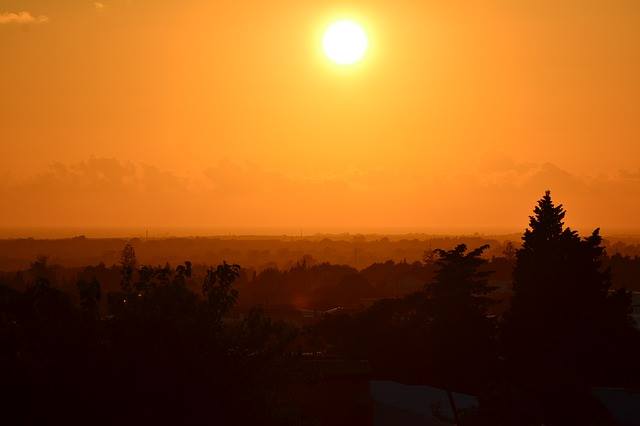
(226, 114)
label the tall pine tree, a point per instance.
(566, 330)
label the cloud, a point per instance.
(99, 191)
(98, 5)
(110, 192)
(22, 18)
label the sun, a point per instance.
(345, 42)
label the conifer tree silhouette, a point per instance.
(563, 316)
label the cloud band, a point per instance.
(22, 18)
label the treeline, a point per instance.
(160, 354)
(566, 330)
(310, 284)
(306, 285)
(140, 344)
(259, 252)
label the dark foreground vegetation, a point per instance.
(173, 345)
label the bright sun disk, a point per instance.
(345, 42)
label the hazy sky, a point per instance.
(226, 114)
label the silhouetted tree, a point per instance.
(218, 288)
(90, 294)
(461, 332)
(509, 251)
(441, 335)
(183, 272)
(458, 286)
(41, 273)
(565, 330)
(128, 263)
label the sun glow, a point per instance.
(345, 42)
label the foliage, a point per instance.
(566, 325)
(460, 326)
(159, 352)
(128, 265)
(218, 291)
(160, 355)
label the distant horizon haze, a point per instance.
(67, 232)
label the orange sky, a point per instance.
(225, 114)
